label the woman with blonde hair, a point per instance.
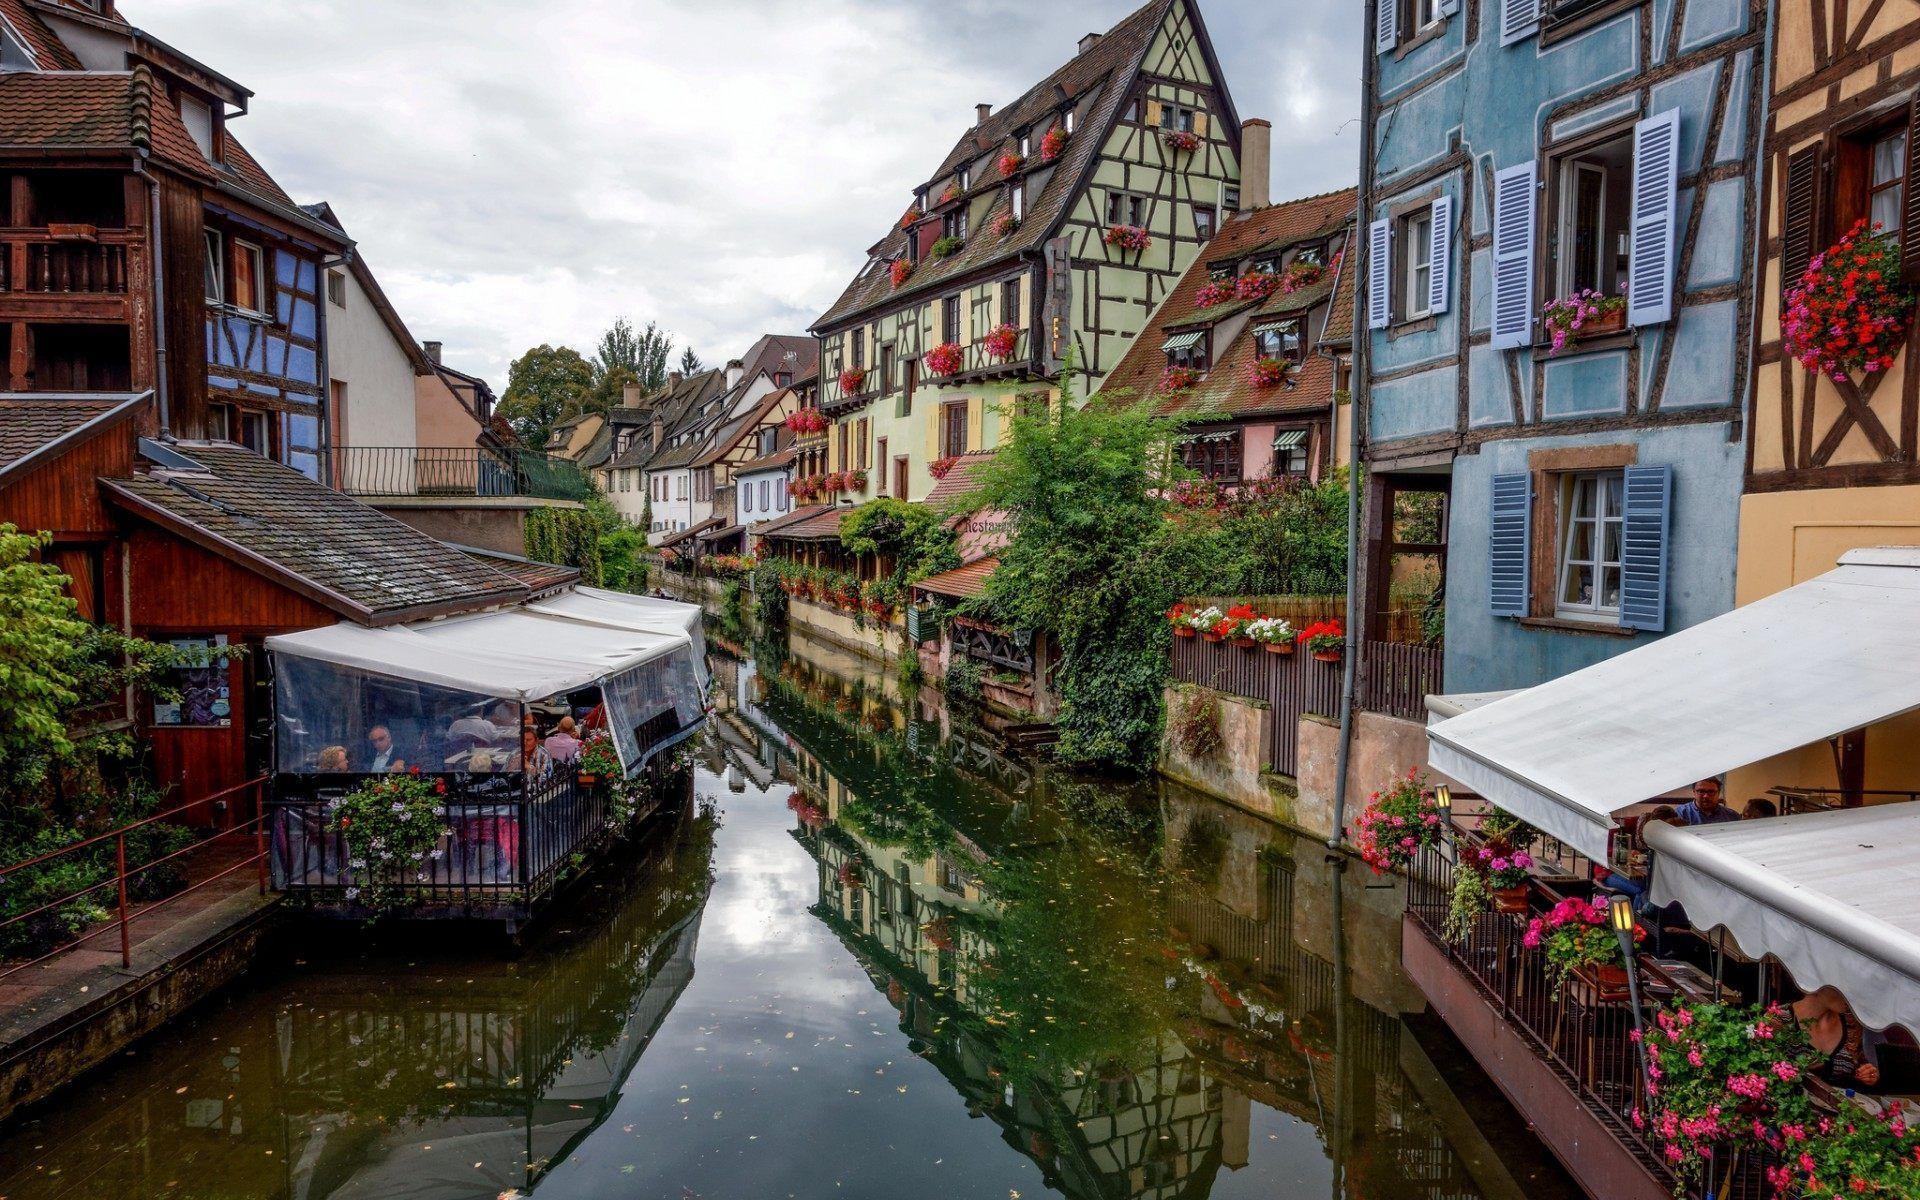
(333, 761)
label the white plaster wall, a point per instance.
(363, 353)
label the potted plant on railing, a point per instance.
(599, 761)
(1272, 634)
(1269, 372)
(1181, 141)
(1325, 640)
(851, 380)
(1054, 144)
(1178, 379)
(391, 825)
(947, 246)
(940, 467)
(1234, 626)
(945, 359)
(1010, 164)
(1179, 618)
(1578, 939)
(1848, 312)
(1131, 238)
(1583, 314)
(1256, 285)
(1207, 620)
(1502, 857)
(1400, 820)
(1002, 341)
(1213, 295)
(1857, 1153)
(898, 271)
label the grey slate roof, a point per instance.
(33, 425)
(326, 545)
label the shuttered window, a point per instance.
(1910, 200)
(1386, 32)
(1513, 209)
(1379, 273)
(1440, 255)
(1588, 586)
(1645, 529)
(1518, 19)
(1510, 541)
(1656, 173)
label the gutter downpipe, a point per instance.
(1362, 345)
(155, 254)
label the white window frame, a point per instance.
(1019, 201)
(1597, 521)
(1026, 143)
(1417, 277)
(216, 267)
(259, 255)
(1565, 237)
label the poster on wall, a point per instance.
(204, 696)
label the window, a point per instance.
(1290, 454)
(216, 268)
(300, 436)
(1125, 209)
(863, 446)
(337, 289)
(249, 277)
(950, 320)
(1314, 255)
(1422, 14)
(1203, 222)
(954, 224)
(1416, 241)
(1590, 192)
(963, 178)
(953, 428)
(900, 476)
(886, 370)
(1214, 455)
(14, 56)
(1190, 349)
(1281, 341)
(1017, 200)
(680, 487)
(857, 339)
(910, 379)
(1869, 178)
(880, 453)
(782, 492)
(1590, 516)
(253, 430)
(1230, 199)
(1220, 273)
(1067, 123)
(1026, 143)
(1010, 310)
(769, 442)
(766, 495)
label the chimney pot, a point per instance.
(432, 350)
(735, 369)
(981, 112)
(1256, 164)
(675, 378)
(1089, 42)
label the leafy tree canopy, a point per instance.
(545, 386)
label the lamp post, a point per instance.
(1620, 915)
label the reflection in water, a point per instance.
(926, 967)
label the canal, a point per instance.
(874, 954)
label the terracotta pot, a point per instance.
(1612, 322)
(588, 780)
(1212, 637)
(1245, 643)
(1183, 631)
(1510, 900)
(1279, 647)
(1327, 656)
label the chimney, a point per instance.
(1089, 42)
(1256, 164)
(735, 369)
(433, 352)
(630, 395)
(659, 429)
(981, 112)
(675, 379)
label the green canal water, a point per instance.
(873, 954)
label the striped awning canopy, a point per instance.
(1289, 439)
(1184, 341)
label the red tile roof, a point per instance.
(961, 583)
(104, 112)
(959, 481)
(814, 523)
(1228, 389)
(49, 52)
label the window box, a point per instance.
(1131, 238)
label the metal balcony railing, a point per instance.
(394, 471)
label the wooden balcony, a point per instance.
(983, 367)
(72, 272)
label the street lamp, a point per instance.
(1620, 916)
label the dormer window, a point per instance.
(1281, 341)
(954, 224)
(1026, 143)
(1189, 349)
(198, 116)
(1220, 274)
(1269, 263)
(1018, 196)
(963, 178)
(14, 55)
(1068, 122)
(920, 198)
(1314, 255)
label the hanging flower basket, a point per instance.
(1269, 373)
(1131, 238)
(1213, 295)
(945, 359)
(1005, 224)
(1274, 634)
(1583, 314)
(1010, 164)
(853, 481)
(911, 218)
(899, 271)
(1325, 640)
(939, 467)
(1256, 285)
(1181, 141)
(950, 194)
(1054, 144)
(947, 247)
(1002, 341)
(1849, 314)
(807, 420)
(1178, 379)
(1399, 821)
(851, 380)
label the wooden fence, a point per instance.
(1396, 678)
(1292, 685)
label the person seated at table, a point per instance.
(381, 756)
(1835, 1032)
(561, 745)
(531, 758)
(333, 761)
(1708, 806)
(1760, 807)
(1665, 814)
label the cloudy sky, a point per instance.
(525, 171)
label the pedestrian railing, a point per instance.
(456, 471)
(113, 892)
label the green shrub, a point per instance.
(963, 682)
(1194, 724)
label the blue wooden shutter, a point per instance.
(1440, 256)
(1379, 274)
(1656, 167)
(1449, 7)
(1518, 19)
(1513, 201)
(1510, 545)
(1386, 32)
(1645, 514)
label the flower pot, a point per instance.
(1510, 900)
(1613, 322)
(1245, 643)
(1279, 647)
(1212, 637)
(1183, 631)
(1326, 656)
(587, 779)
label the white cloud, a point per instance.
(525, 171)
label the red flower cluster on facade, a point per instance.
(1269, 372)
(1053, 145)
(1002, 341)
(1324, 637)
(898, 271)
(1004, 224)
(804, 489)
(851, 380)
(1178, 379)
(1181, 140)
(1010, 163)
(1213, 295)
(1849, 312)
(939, 467)
(951, 193)
(807, 420)
(945, 359)
(912, 215)
(811, 815)
(1302, 275)
(1257, 285)
(1131, 238)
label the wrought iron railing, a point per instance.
(394, 471)
(1804, 800)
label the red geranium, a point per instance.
(1849, 312)
(851, 380)
(1002, 342)
(939, 467)
(1269, 372)
(1178, 379)
(1004, 224)
(1054, 144)
(898, 271)
(1181, 140)
(1131, 238)
(1011, 162)
(1213, 295)
(1256, 285)
(945, 359)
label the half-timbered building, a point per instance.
(1537, 164)
(1055, 225)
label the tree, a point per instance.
(643, 355)
(545, 386)
(690, 362)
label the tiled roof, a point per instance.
(674, 403)
(1227, 389)
(49, 52)
(689, 533)
(33, 426)
(961, 583)
(1092, 81)
(537, 577)
(813, 523)
(723, 442)
(959, 481)
(326, 545)
(768, 462)
(106, 111)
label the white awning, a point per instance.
(1289, 439)
(516, 654)
(620, 610)
(1834, 654)
(1829, 894)
(1181, 341)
